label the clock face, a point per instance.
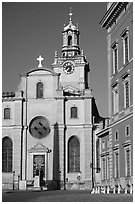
(68, 67)
(39, 127)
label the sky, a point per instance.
(30, 29)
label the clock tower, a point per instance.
(72, 63)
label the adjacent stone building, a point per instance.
(116, 138)
(47, 124)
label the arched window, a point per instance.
(74, 112)
(7, 147)
(69, 40)
(40, 90)
(73, 154)
(7, 113)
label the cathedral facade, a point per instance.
(47, 124)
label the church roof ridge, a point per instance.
(41, 69)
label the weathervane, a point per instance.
(70, 14)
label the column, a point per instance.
(62, 154)
(107, 189)
(22, 184)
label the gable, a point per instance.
(39, 148)
(70, 89)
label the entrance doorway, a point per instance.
(39, 168)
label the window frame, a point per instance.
(108, 167)
(70, 39)
(108, 142)
(76, 113)
(127, 126)
(116, 152)
(103, 165)
(114, 48)
(39, 94)
(73, 166)
(116, 139)
(103, 144)
(126, 79)
(124, 35)
(8, 151)
(126, 166)
(5, 113)
(115, 92)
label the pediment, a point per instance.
(39, 148)
(70, 89)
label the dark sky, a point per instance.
(30, 29)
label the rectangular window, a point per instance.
(103, 169)
(108, 167)
(128, 162)
(126, 84)
(116, 165)
(115, 57)
(125, 39)
(127, 131)
(115, 100)
(108, 142)
(103, 144)
(7, 113)
(126, 94)
(116, 135)
(126, 49)
(74, 112)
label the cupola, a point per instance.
(70, 47)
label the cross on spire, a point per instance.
(70, 14)
(40, 59)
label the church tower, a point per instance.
(72, 64)
(78, 107)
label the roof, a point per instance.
(42, 69)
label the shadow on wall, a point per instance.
(56, 168)
(95, 113)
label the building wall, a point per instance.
(121, 128)
(117, 26)
(12, 128)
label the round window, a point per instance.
(39, 127)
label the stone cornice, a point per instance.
(112, 13)
(102, 133)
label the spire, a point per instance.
(70, 14)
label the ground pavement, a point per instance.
(63, 196)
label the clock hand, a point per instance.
(44, 128)
(40, 123)
(40, 132)
(35, 128)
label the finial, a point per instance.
(70, 14)
(82, 53)
(56, 54)
(40, 59)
